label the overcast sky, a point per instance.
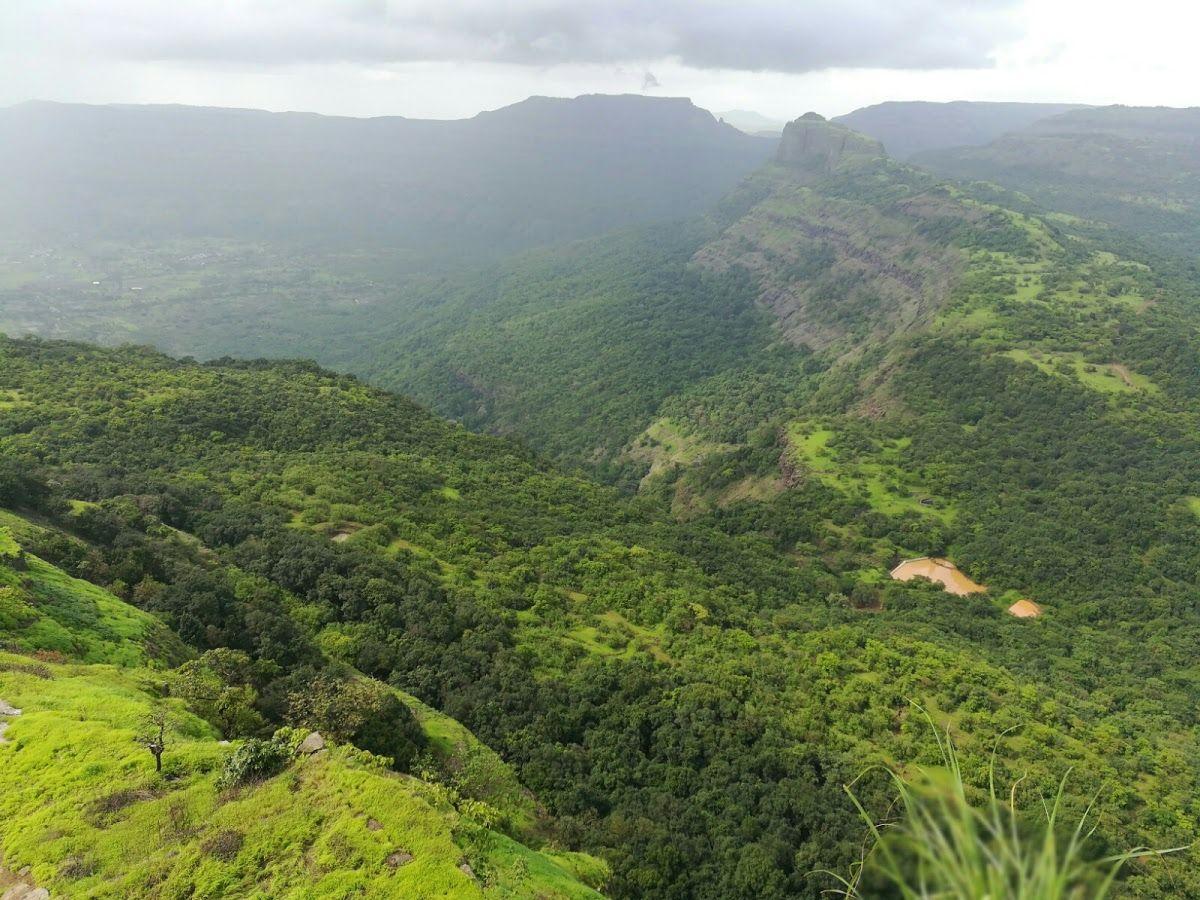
(452, 58)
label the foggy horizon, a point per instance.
(451, 60)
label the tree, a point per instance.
(218, 688)
(359, 711)
(154, 733)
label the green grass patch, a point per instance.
(84, 809)
(664, 445)
(878, 476)
(44, 609)
(1107, 378)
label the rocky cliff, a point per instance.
(810, 142)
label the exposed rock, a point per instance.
(814, 144)
(7, 710)
(22, 890)
(314, 743)
(398, 858)
(833, 271)
(3, 728)
(466, 869)
(374, 825)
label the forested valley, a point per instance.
(606, 606)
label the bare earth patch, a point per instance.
(1025, 609)
(941, 571)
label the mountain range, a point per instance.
(626, 578)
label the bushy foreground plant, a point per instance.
(255, 760)
(941, 844)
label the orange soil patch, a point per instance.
(941, 571)
(1025, 609)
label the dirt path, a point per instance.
(1122, 373)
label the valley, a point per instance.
(643, 540)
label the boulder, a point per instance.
(314, 743)
(25, 892)
(398, 858)
(7, 710)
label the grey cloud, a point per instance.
(753, 35)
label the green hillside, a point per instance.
(85, 812)
(669, 619)
(649, 680)
(1133, 167)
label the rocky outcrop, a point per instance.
(20, 886)
(814, 144)
(6, 712)
(314, 743)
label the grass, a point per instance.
(84, 809)
(937, 842)
(44, 609)
(12, 400)
(1107, 378)
(878, 478)
(477, 770)
(615, 636)
(664, 445)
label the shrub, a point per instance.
(224, 845)
(254, 760)
(361, 712)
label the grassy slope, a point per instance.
(812, 676)
(83, 808)
(44, 609)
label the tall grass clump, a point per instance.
(936, 843)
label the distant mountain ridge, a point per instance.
(752, 122)
(1137, 168)
(539, 171)
(910, 127)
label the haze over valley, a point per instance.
(596, 495)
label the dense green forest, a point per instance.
(662, 614)
(653, 682)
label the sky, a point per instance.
(453, 58)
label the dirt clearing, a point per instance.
(941, 571)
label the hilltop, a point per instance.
(1137, 168)
(540, 171)
(81, 671)
(907, 128)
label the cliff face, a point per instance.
(812, 143)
